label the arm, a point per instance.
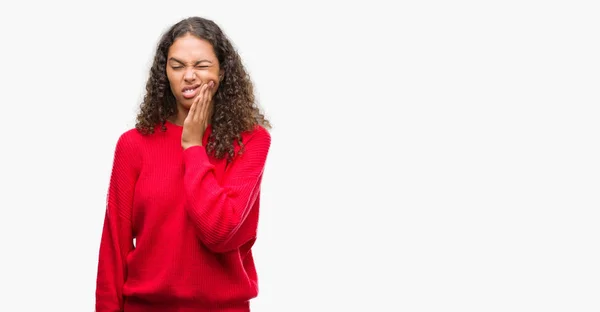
(218, 209)
(117, 239)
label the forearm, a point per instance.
(217, 210)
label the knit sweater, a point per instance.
(194, 220)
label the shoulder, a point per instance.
(128, 144)
(257, 134)
(129, 137)
(255, 142)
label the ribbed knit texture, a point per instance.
(194, 219)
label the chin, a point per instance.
(185, 103)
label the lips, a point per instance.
(190, 91)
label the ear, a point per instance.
(221, 76)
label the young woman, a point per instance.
(185, 184)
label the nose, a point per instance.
(189, 75)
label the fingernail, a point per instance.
(211, 84)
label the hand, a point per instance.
(197, 118)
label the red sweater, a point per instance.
(194, 220)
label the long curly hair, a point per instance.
(235, 109)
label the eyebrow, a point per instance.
(181, 62)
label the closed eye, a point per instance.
(180, 67)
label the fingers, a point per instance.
(200, 109)
(200, 103)
(194, 106)
(209, 91)
(207, 99)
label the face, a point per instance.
(190, 63)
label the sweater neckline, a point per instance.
(176, 126)
(179, 129)
(173, 125)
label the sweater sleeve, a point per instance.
(117, 239)
(219, 208)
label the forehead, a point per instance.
(191, 48)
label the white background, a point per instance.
(427, 155)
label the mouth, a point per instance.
(190, 91)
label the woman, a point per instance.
(185, 184)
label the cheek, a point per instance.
(172, 81)
(208, 76)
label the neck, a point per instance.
(181, 114)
